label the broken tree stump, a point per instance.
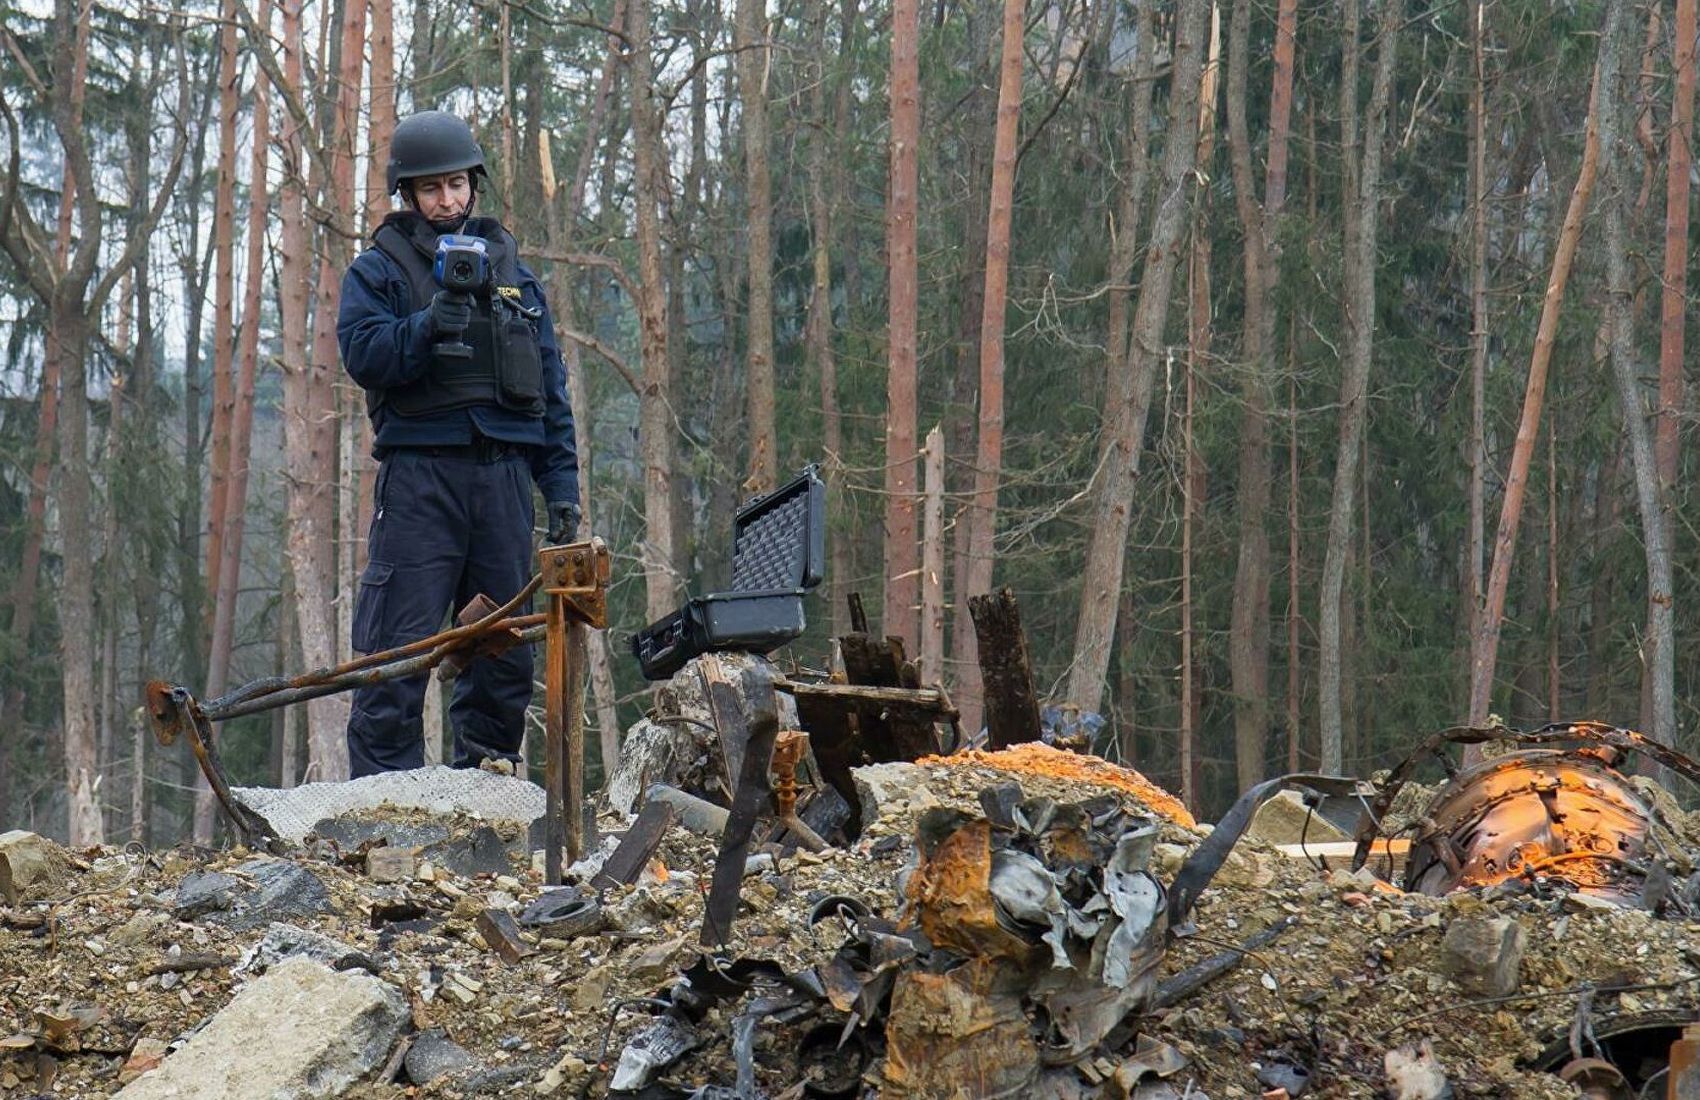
(1011, 705)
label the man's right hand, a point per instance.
(451, 312)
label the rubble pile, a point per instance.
(1021, 922)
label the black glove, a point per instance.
(563, 523)
(451, 313)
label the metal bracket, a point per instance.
(575, 584)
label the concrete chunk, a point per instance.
(891, 788)
(1484, 955)
(1283, 820)
(28, 861)
(323, 1031)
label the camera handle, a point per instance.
(453, 347)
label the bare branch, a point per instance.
(139, 239)
(30, 75)
(613, 357)
(593, 259)
(28, 246)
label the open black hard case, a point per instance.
(778, 549)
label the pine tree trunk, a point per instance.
(1128, 392)
(382, 125)
(309, 441)
(979, 113)
(655, 430)
(902, 549)
(1484, 650)
(224, 344)
(22, 598)
(229, 567)
(932, 563)
(1295, 611)
(1674, 298)
(1248, 634)
(749, 40)
(1660, 658)
(820, 325)
(1553, 683)
(1361, 209)
(1477, 536)
(988, 461)
(76, 599)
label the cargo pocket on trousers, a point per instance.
(369, 605)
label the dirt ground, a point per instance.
(97, 969)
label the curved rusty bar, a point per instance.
(273, 684)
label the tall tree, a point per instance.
(749, 40)
(1362, 203)
(309, 425)
(655, 427)
(825, 202)
(1248, 634)
(22, 597)
(1199, 331)
(224, 401)
(229, 566)
(988, 459)
(74, 299)
(382, 111)
(1484, 647)
(1616, 72)
(902, 456)
(1477, 535)
(1128, 388)
(1673, 308)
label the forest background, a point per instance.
(1314, 373)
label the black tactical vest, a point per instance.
(506, 366)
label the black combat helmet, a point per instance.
(431, 143)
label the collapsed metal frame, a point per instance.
(573, 578)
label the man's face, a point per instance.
(444, 197)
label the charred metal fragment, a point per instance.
(638, 846)
(174, 712)
(753, 795)
(1195, 874)
(1561, 812)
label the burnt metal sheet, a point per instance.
(638, 846)
(753, 796)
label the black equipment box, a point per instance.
(778, 551)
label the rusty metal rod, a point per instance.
(225, 704)
(220, 710)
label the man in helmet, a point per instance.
(460, 436)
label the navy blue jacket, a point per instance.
(385, 343)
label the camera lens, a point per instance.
(462, 271)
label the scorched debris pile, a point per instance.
(795, 889)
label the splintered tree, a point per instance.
(1127, 397)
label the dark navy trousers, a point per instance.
(445, 527)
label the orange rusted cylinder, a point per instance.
(1538, 812)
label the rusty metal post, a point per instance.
(575, 583)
